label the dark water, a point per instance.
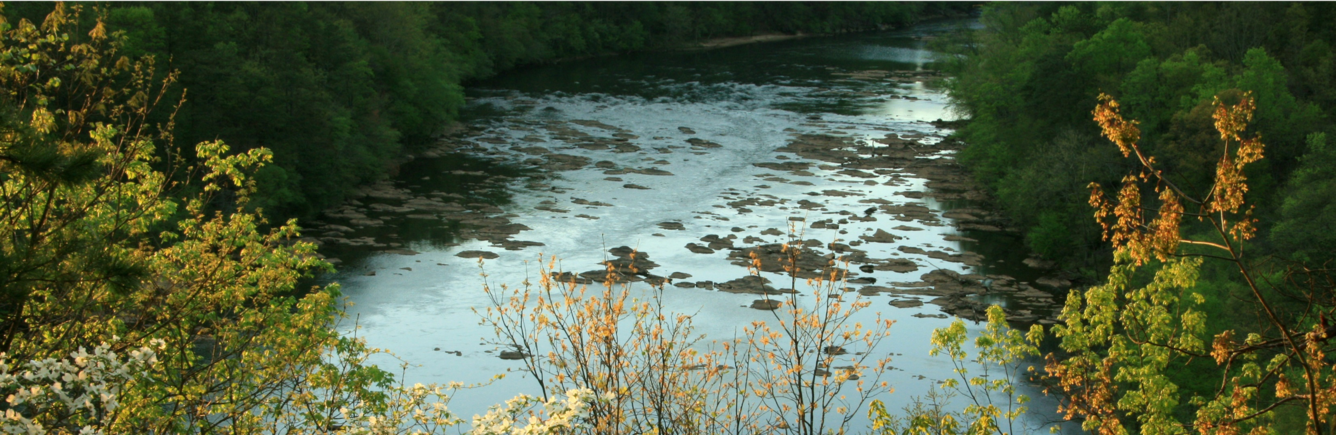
(749, 100)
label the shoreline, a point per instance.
(732, 41)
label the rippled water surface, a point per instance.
(633, 176)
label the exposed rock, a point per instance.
(699, 249)
(873, 290)
(476, 254)
(513, 355)
(899, 265)
(366, 222)
(567, 277)
(839, 193)
(564, 162)
(533, 151)
(590, 203)
(702, 143)
(1038, 263)
(911, 250)
(766, 304)
(336, 228)
(822, 147)
(808, 264)
(856, 173)
(906, 303)
(1053, 282)
(515, 245)
(849, 372)
(596, 124)
(716, 242)
(881, 236)
(784, 166)
(750, 284)
(653, 171)
(628, 266)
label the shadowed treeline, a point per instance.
(1028, 79)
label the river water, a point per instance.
(660, 152)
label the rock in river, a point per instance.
(512, 355)
(906, 303)
(881, 236)
(477, 254)
(749, 284)
(699, 249)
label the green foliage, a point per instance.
(196, 312)
(1307, 229)
(1111, 53)
(1130, 334)
(1283, 119)
(1027, 77)
(1122, 340)
(1050, 238)
(993, 405)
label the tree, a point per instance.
(1306, 229)
(1110, 53)
(999, 347)
(1120, 338)
(194, 315)
(807, 372)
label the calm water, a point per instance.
(749, 100)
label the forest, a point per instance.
(1028, 82)
(156, 160)
(339, 92)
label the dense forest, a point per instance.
(1169, 82)
(1028, 81)
(340, 91)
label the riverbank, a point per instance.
(743, 40)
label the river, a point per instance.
(687, 157)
